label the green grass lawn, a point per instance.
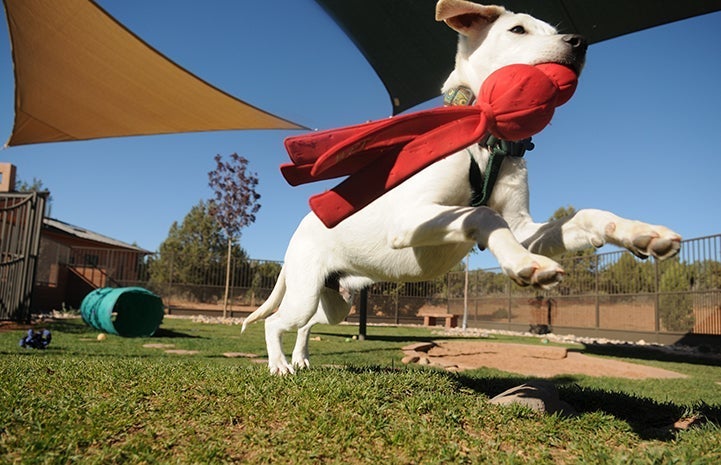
(85, 401)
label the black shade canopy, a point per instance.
(413, 54)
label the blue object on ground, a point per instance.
(36, 339)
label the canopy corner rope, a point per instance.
(80, 75)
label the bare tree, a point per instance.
(235, 203)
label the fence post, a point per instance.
(476, 298)
(362, 314)
(397, 298)
(598, 292)
(657, 300)
(465, 295)
(448, 292)
(231, 287)
(170, 282)
(509, 285)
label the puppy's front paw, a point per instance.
(645, 240)
(300, 361)
(535, 270)
(280, 367)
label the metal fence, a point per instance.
(201, 289)
(21, 217)
(611, 294)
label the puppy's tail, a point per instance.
(273, 301)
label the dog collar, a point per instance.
(482, 182)
(458, 96)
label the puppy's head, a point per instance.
(491, 37)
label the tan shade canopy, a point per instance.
(79, 74)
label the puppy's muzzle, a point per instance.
(578, 45)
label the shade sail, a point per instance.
(80, 74)
(413, 54)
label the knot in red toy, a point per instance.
(521, 99)
(514, 103)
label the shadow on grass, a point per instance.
(69, 326)
(369, 350)
(380, 338)
(77, 326)
(162, 333)
(649, 353)
(404, 339)
(29, 351)
(62, 351)
(649, 419)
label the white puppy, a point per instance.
(425, 226)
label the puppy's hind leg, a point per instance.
(332, 309)
(289, 316)
(300, 303)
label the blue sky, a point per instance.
(641, 136)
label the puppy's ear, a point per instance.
(462, 16)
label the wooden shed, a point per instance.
(73, 261)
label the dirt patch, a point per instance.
(182, 352)
(538, 361)
(239, 355)
(158, 346)
(7, 326)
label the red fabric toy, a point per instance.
(514, 103)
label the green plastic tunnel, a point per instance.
(124, 311)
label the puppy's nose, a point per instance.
(577, 42)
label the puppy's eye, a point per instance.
(518, 30)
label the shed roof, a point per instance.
(62, 227)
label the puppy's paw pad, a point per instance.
(645, 240)
(540, 272)
(525, 275)
(548, 278)
(663, 247)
